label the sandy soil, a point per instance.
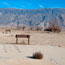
(51, 45)
(20, 54)
(36, 38)
(25, 62)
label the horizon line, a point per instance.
(32, 8)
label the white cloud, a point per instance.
(5, 3)
(41, 6)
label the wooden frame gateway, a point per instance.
(22, 36)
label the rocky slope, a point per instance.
(33, 17)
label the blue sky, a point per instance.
(32, 4)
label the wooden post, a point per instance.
(28, 41)
(16, 40)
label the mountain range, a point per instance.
(31, 17)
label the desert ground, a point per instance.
(36, 37)
(51, 45)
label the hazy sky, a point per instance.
(32, 4)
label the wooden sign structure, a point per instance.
(22, 36)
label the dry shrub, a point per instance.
(48, 29)
(37, 28)
(37, 55)
(53, 28)
(58, 29)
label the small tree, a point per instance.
(58, 29)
